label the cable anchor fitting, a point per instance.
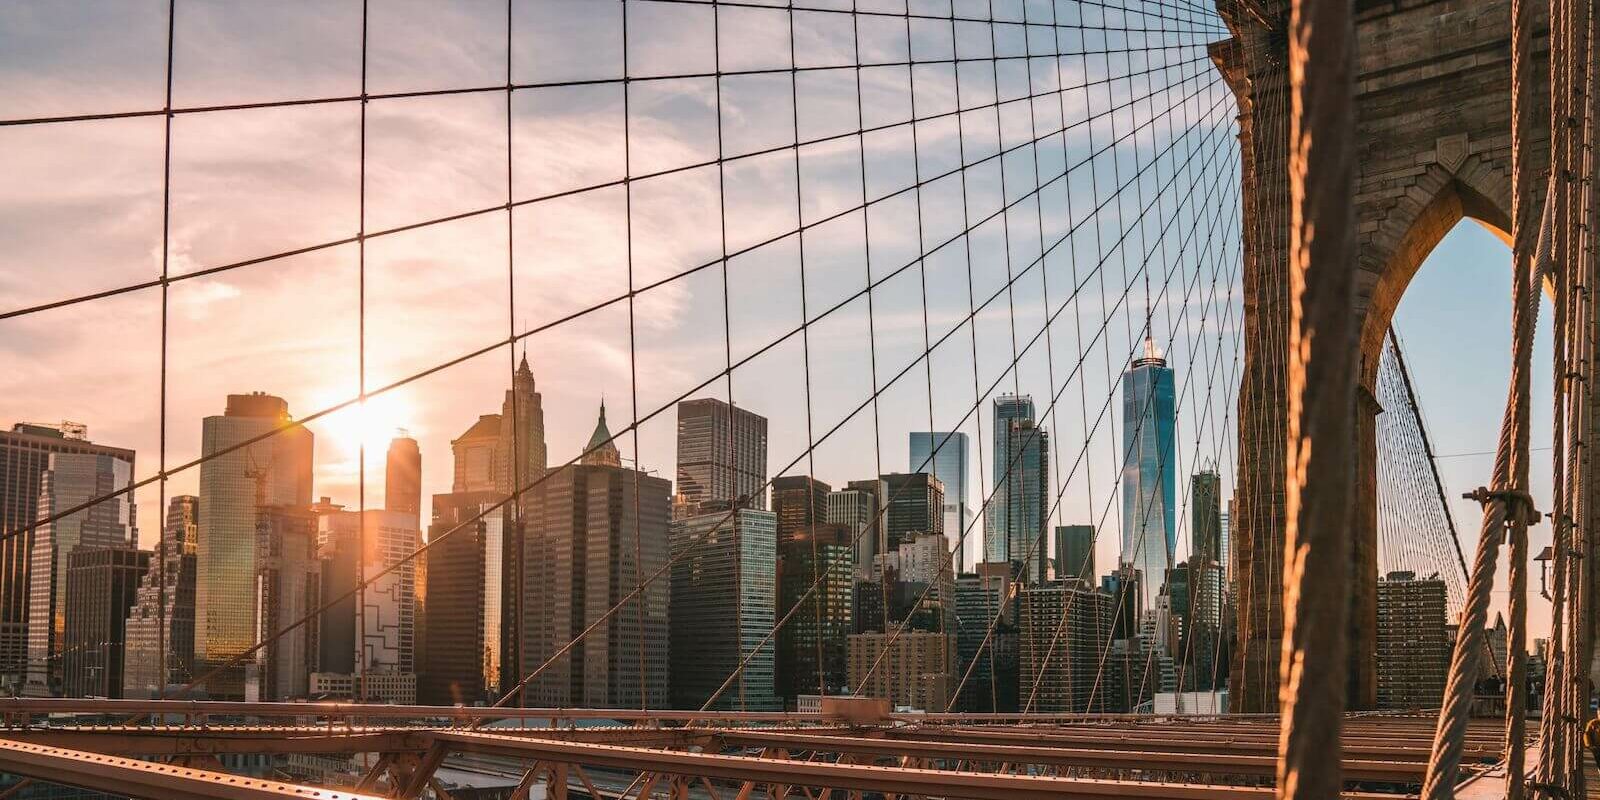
(1516, 501)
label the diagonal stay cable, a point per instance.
(793, 463)
(1032, 436)
(1104, 409)
(543, 198)
(816, 583)
(1216, 261)
(440, 366)
(491, 508)
(263, 105)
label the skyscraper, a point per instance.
(1149, 487)
(601, 451)
(820, 556)
(1064, 630)
(143, 676)
(996, 535)
(722, 455)
(1027, 498)
(944, 454)
(857, 507)
(1075, 553)
(275, 471)
(594, 532)
(69, 480)
(521, 457)
(476, 458)
(100, 588)
(402, 479)
(1205, 515)
(1225, 535)
(1413, 648)
(916, 505)
(461, 661)
(800, 502)
(722, 601)
(1196, 594)
(288, 586)
(980, 598)
(389, 621)
(24, 456)
(916, 671)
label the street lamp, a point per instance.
(1544, 558)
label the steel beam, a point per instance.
(133, 741)
(10, 706)
(1216, 742)
(1146, 758)
(145, 780)
(849, 777)
(14, 706)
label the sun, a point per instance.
(372, 423)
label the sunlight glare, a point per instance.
(373, 423)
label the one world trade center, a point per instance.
(1149, 488)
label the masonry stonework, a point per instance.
(1433, 146)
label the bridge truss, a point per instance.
(616, 753)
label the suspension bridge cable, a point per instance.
(1144, 590)
(531, 200)
(163, 676)
(1212, 28)
(1162, 466)
(515, 496)
(1012, 465)
(1132, 558)
(1103, 412)
(1067, 610)
(562, 651)
(1104, 408)
(567, 318)
(524, 483)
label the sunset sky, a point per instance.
(81, 211)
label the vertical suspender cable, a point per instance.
(361, 378)
(1504, 503)
(1552, 766)
(1524, 295)
(1590, 270)
(162, 676)
(1321, 393)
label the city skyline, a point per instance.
(282, 467)
(429, 370)
(451, 281)
(377, 482)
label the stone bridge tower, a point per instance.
(1433, 128)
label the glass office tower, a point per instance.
(949, 465)
(1008, 410)
(1149, 488)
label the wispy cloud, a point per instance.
(81, 210)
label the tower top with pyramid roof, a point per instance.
(600, 450)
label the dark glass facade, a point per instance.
(102, 584)
(593, 533)
(722, 607)
(811, 645)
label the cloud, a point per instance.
(82, 211)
